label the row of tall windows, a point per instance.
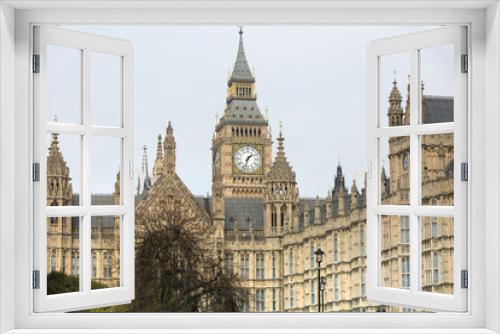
(244, 91)
(246, 132)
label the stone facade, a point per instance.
(268, 234)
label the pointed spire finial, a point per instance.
(145, 169)
(55, 118)
(394, 72)
(241, 30)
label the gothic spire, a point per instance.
(241, 70)
(159, 149)
(169, 150)
(144, 180)
(158, 165)
(281, 169)
(56, 165)
(145, 169)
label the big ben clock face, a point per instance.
(247, 159)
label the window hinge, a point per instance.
(36, 279)
(464, 278)
(36, 63)
(464, 171)
(36, 172)
(465, 64)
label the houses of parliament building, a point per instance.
(266, 232)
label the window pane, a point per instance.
(106, 89)
(105, 170)
(63, 169)
(437, 169)
(393, 93)
(105, 267)
(436, 73)
(437, 254)
(64, 88)
(63, 255)
(395, 239)
(395, 170)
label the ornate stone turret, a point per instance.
(59, 187)
(158, 165)
(281, 196)
(340, 191)
(395, 111)
(169, 150)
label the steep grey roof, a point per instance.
(438, 109)
(241, 70)
(242, 112)
(311, 203)
(247, 213)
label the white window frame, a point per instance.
(16, 18)
(86, 297)
(455, 35)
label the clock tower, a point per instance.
(241, 147)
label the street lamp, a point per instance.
(323, 287)
(319, 258)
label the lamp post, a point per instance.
(319, 258)
(323, 287)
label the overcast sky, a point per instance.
(313, 79)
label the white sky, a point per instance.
(313, 79)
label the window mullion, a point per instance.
(86, 231)
(414, 170)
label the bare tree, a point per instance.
(177, 270)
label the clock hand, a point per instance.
(247, 159)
